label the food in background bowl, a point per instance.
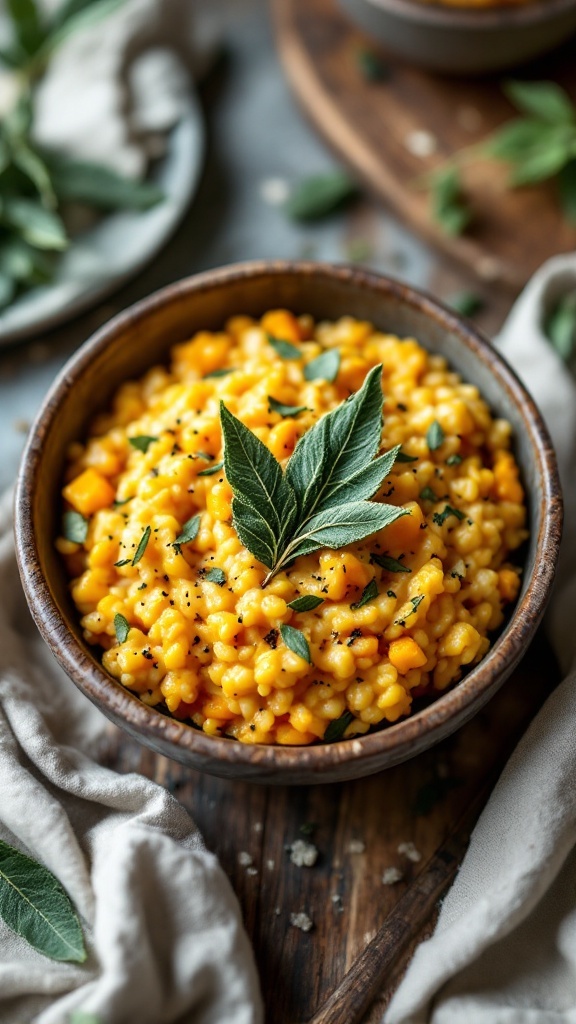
(336, 640)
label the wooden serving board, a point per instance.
(357, 828)
(371, 126)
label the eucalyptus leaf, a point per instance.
(296, 641)
(320, 195)
(34, 905)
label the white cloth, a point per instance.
(504, 948)
(162, 925)
(113, 89)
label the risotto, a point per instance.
(181, 614)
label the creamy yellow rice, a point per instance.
(211, 652)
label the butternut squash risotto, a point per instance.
(167, 590)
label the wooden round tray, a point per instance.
(376, 127)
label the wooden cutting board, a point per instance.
(372, 126)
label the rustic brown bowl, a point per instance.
(140, 337)
(466, 41)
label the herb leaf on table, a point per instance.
(34, 905)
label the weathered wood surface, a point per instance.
(343, 894)
(372, 126)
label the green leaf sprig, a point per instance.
(538, 146)
(560, 328)
(34, 905)
(320, 195)
(36, 185)
(321, 500)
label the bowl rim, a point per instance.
(499, 16)
(393, 742)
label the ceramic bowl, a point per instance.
(141, 337)
(472, 41)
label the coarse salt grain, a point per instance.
(274, 191)
(244, 859)
(391, 875)
(409, 851)
(356, 846)
(251, 871)
(303, 854)
(301, 921)
(420, 143)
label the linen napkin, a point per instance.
(504, 948)
(162, 926)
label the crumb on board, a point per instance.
(421, 143)
(257, 826)
(409, 851)
(277, 911)
(251, 871)
(301, 921)
(390, 876)
(270, 864)
(244, 859)
(303, 854)
(356, 846)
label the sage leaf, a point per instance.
(434, 436)
(259, 485)
(337, 727)
(211, 470)
(285, 349)
(123, 561)
(34, 905)
(343, 524)
(368, 594)
(74, 527)
(427, 494)
(371, 66)
(305, 603)
(296, 641)
(467, 303)
(404, 457)
(449, 206)
(388, 563)
(567, 189)
(560, 327)
(514, 140)
(545, 100)
(37, 226)
(324, 367)
(142, 442)
(285, 410)
(544, 162)
(188, 533)
(454, 459)
(255, 532)
(338, 449)
(320, 195)
(222, 372)
(99, 186)
(121, 628)
(217, 576)
(441, 517)
(142, 545)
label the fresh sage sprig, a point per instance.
(321, 500)
(538, 146)
(34, 905)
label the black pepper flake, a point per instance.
(164, 594)
(354, 636)
(253, 728)
(390, 593)
(195, 641)
(206, 650)
(271, 638)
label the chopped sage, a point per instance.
(142, 545)
(337, 727)
(296, 641)
(306, 603)
(121, 628)
(74, 527)
(368, 594)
